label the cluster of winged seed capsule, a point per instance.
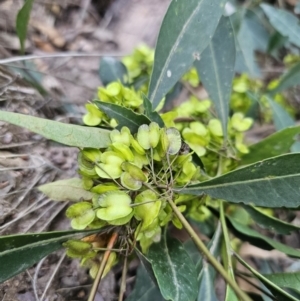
(132, 181)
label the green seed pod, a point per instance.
(91, 154)
(113, 89)
(123, 150)
(121, 221)
(170, 140)
(129, 182)
(140, 160)
(215, 127)
(135, 172)
(87, 183)
(143, 137)
(79, 249)
(102, 188)
(239, 123)
(149, 211)
(111, 166)
(82, 215)
(122, 137)
(114, 205)
(154, 134)
(86, 167)
(94, 115)
(136, 146)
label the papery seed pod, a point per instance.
(111, 166)
(102, 188)
(123, 150)
(171, 141)
(94, 116)
(154, 134)
(135, 172)
(82, 215)
(114, 205)
(137, 147)
(79, 249)
(149, 211)
(123, 137)
(91, 154)
(121, 221)
(113, 89)
(129, 182)
(215, 127)
(240, 123)
(86, 167)
(143, 136)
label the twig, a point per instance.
(123, 279)
(52, 276)
(102, 266)
(59, 55)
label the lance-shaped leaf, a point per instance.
(19, 252)
(269, 183)
(245, 47)
(144, 288)
(281, 117)
(112, 70)
(152, 115)
(207, 274)
(278, 293)
(284, 22)
(270, 222)
(68, 134)
(22, 22)
(274, 145)
(124, 116)
(286, 280)
(185, 32)
(174, 270)
(290, 79)
(261, 241)
(66, 190)
(216, 69)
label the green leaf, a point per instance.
(290, 79)
(216, 69)
(124, 116)
(269, 183)
(207, 275)
(185, 32)
(281, 117)
(20, 252)
(270, 222)
(261, 241)
(68, 134)
(286, 280)
(284, 22)
(245, 47)
(66, 190)
(22, 22)
(255, 23)
(144, 288)
(274, 145)
(276, 42)
(112, 70)
(278, 293)
(152, 115)
(174, 270)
